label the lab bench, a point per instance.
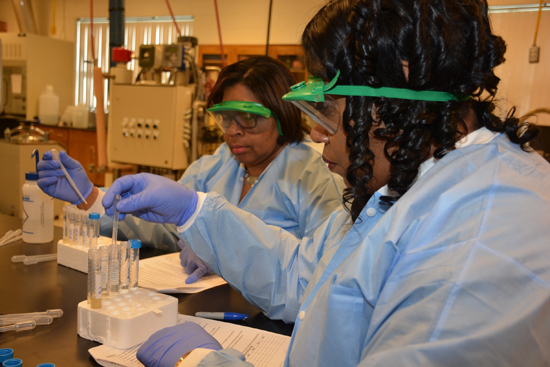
(48, 285)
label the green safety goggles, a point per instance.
(315, 98)
(250, 116)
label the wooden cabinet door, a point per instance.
(58, 134)
(83, 148)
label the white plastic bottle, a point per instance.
(48, 107)
(37, 212)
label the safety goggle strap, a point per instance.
(397, 93)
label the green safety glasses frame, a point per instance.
(251, 116)
(314, 98)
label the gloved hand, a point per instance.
(53, 182)
(152, 198)
(192, 264)
(165, 347)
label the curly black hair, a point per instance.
(268, 79)
(449, 47)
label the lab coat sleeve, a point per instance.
(202, 357)
(269, 266)
(322, 196)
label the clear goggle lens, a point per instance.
(252, 123)
(326, 114)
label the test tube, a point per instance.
(115, 219)
(84, 233)
(66, 224)
(115, 268)
(135, 245)
(77, 227)
(94, 278)
(125, 267)
(105, 253)
(93, 223)
(71, 214)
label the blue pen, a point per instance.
(231, 316)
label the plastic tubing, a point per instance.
(55, 155)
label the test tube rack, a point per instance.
(76, 257)
(127, 319)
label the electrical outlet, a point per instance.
(534, 54)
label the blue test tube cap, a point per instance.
(5, 354)
(94, 216)
(135, 243)
(14, 362)
(46, 365)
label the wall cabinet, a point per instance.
(291, 55)
(81, 145)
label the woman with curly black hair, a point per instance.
(442, 259)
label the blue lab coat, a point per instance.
(455, 273)
(296, 192)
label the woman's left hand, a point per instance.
(165, 347)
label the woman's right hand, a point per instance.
(153, 198)
(53, 182)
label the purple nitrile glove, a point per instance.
(192, 264)
(152, 198)
(53, 182)
(165, 347)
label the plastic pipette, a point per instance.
(57, 312)
(13, 239)
(55, 155)
(39, 320)
(20, 326)
(10, 234)
(33, 259)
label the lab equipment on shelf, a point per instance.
(55, 156)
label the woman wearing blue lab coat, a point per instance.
(266, 166)
(442, 257)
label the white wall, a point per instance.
(245, 22)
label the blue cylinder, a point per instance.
(14, 362)
(5, 354)
(46, 365)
